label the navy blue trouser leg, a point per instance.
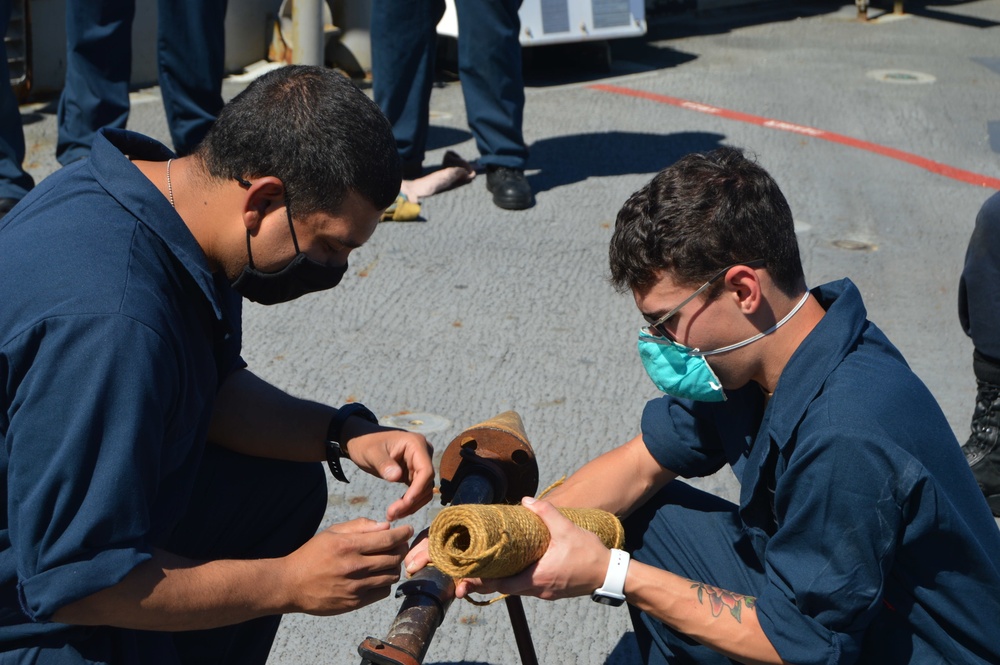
(192, 52)
(98, 67)
(404, 38)
(245, 508)
(979, 288)
(696, 535)
(489, 66)
(14, 180)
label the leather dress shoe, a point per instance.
(509, 187)
(6, 205)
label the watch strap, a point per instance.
(612, 592)
(336, 446)
(334, 453)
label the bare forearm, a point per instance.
(721, 619)
(340, 569)
(618, 481)
(170, 593)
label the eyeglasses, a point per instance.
(656, 327)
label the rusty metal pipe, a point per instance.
(427, 595)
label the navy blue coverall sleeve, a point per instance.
(84, 449)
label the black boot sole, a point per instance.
(513, 202)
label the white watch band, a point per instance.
(614, 581)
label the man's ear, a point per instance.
(744, 284)
(262, 197)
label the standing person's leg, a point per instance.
(98, 68)
(696, 535)
(191, 53)
(245, 508)
(14, 180)
(979, 313)
(404, 44)
(489, 66)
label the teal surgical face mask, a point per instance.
(681, 371)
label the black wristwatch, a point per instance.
(336, 446)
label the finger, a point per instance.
(416, 560)
(370, 596)
(400, 508)
(419, 543)
(515, 585)
(474, 585)
(390, 540)
(463, 588)
(419, 553)
(375, 589)
(378, 567)
(359, 525)
(417, 494)
(417, 456)
(421, 537)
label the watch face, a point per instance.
(603, 599)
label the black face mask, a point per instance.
(301, 276)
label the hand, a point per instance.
(393, 455)
(574, 564)
(418, 556)
(345, 567)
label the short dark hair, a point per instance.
(701, 214)
(312, 128)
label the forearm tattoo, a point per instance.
(720, 598)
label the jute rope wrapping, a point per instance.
(490, 540)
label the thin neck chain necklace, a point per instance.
(170, 187)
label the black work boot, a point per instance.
(509, 187)
(981, 450)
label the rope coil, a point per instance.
(490, 540)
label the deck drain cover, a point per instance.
(417, 422)
(900, 76)
(854, 245)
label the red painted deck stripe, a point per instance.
(909, 158)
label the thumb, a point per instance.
(554, 521)
(392, 472)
